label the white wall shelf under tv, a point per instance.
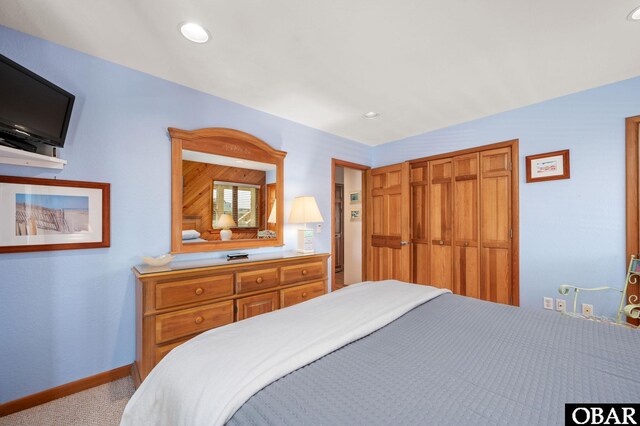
(18, 157)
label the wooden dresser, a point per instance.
(181, 300)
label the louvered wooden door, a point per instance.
(440, 223)
(496, 226)
(388, 215)
(466, 235)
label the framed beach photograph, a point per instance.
(354, 197)
(548, 166)
(48, 214)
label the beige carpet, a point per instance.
(99, 406)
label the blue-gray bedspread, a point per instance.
(458, 361)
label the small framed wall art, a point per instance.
(355, 214)
(48, 214)
(548, 166)
(354, 197)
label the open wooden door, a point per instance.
(388, 223)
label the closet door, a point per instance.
(420, 222)
(466, 235)
(496, 226)
(388, 215)
(441, 223)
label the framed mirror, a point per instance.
(226, 191)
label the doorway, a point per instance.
(347, 223)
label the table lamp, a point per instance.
(225, 221)
(305, 210)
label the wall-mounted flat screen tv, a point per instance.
(32, 109)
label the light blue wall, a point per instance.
(66, 315)
(571, 231)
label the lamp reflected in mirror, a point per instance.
(225, 221)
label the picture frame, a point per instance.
(49, 214)
(354, 197)
(355, 214)
(548, 166)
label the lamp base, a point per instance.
(225, 234)
(305, 241)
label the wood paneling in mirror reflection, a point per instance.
(197, 192)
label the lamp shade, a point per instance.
(305, 210)
(225, 221)
(272, 215)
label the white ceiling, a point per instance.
(423, 64)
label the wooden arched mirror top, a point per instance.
(225, 180)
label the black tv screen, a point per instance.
(32, 109)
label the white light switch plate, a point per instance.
(561, 305)
(318, 228)
(548, 303)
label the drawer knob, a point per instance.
(304, 272)
(259, 280)
(199, 320)
(466, 243)
(304, 294)
(199, 291)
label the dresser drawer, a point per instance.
(303, 272)
(190, 321)
(162, 351)
(256, 305)
(257, 279)
(295, 295)
(193, 290)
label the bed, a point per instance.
(391, 353)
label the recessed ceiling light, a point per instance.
(371, 115)
(194, 32)
(634, 15)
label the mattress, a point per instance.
(456, 360)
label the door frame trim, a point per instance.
(363, 212)
(632, 162)
(515, 201)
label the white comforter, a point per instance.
(204, 381)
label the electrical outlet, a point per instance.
(587, 309)
(561, 305)
(318, 228)
(548, 303)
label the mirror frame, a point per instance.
(230, 143)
